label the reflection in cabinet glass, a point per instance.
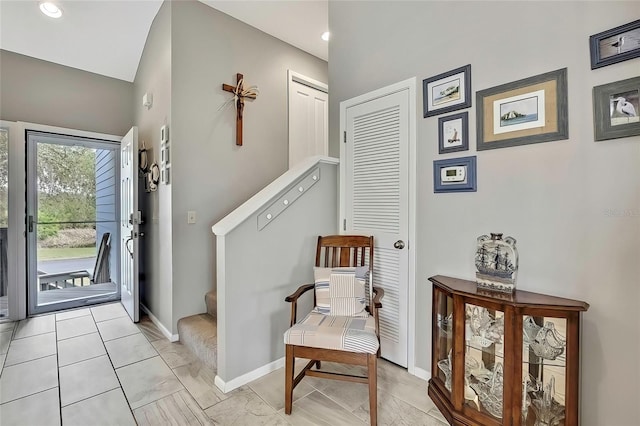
(504, 359)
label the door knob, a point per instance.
(399, 244)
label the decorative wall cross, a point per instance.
(239, 94)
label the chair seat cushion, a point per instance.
(352, 334)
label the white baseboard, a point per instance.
(166, 333)
(421, 373)
(248, 377)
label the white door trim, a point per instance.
(307, 81)
(409, 84)
(17, 287)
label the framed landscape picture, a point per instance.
(453, 133)
(615, 45)
(446, 92)
(526, 111)
(616, 109)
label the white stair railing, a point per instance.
(264, 250)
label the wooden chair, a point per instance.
(326, 337)
(101, 271)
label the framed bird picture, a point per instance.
(616, 109)
(615, 45)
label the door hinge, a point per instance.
(345, 137)
(344, 224)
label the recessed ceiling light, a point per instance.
(325, 36)
(50, 9)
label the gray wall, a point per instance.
(107, 207)
(42, 92)
(154, 76)
(262, 268)
(572, 205)
(210, 174)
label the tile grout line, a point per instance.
(89, 397)
(34, 359)
(4, 360)
(78, 335)
(82, 360)
(27, 396)
(179, 381)
(58, 368)
(114, 370)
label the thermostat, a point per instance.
(453, 174)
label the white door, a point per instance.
(376, 202)
(308, 120)
(129, 223)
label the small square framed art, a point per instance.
(453, 133)
(446, 92)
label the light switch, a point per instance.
(191, 217)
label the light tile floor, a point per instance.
(94, 367)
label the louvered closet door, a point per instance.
(377, 174)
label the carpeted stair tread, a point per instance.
(199, 333)
(211, 300)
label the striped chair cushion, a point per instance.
(353, 334)
(341, 291)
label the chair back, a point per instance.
(101, 269)
(337, 251)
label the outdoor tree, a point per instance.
(66, 187)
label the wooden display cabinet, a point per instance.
(504, 359)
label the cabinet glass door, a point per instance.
(444, 337)
(544, 370)
(484, 360)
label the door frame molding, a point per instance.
(17, 287)
(307, 81)
(410, 85)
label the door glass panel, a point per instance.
(72, 222)
(4, 221)
(543, 370)
(484, 360)
(444, 337)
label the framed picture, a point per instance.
(615, 45)
(453, 133)
(446, 92)
(526, 111)
(616, 109)
(455, 175)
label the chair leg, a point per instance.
(372, 361)
(288, 379)
(318, 365)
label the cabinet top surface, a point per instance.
(518, 298)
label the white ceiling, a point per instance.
(107, 37)
(297, 22)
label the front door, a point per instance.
(376, 202)
(129, 223)
(72, 221)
